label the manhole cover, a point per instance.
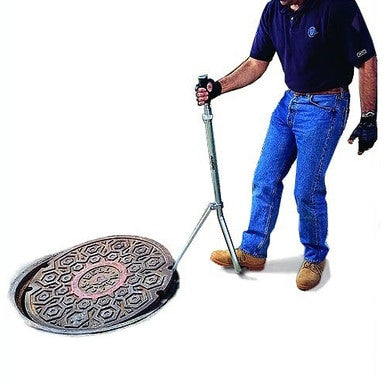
(97, 286)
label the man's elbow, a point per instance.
(258, 67)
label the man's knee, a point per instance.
(308, 197)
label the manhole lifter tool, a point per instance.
(217, 206)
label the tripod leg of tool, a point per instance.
(194, 233)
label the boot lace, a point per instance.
(314, 267)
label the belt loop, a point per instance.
(341, 92)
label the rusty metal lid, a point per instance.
(96, 286)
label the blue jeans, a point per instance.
(306, 128)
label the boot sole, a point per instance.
(305, 287)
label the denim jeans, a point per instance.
(307, 129)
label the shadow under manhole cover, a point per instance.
(97, 286)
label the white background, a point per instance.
(100, 135)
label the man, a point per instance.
(319, 42)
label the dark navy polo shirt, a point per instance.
(318, 45)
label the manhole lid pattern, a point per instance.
(99, 284)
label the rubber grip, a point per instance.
(203, 81)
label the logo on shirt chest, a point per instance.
(312, 32)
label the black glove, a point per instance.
(212, 87)
(366, 132)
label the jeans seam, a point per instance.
(274, 193)
(316, 180)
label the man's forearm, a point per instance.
(368, 85)
(248, 72)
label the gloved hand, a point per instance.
(208, 92)
(366, 132)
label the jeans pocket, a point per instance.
(325, 102)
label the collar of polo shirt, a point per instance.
(307, 4)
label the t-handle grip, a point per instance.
(203, 81)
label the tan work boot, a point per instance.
(309, 275)
(246, 260)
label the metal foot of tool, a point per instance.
(228, 240)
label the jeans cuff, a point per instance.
(254, 254)
(314, 261)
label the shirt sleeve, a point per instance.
(262, 47)
(357, 42)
